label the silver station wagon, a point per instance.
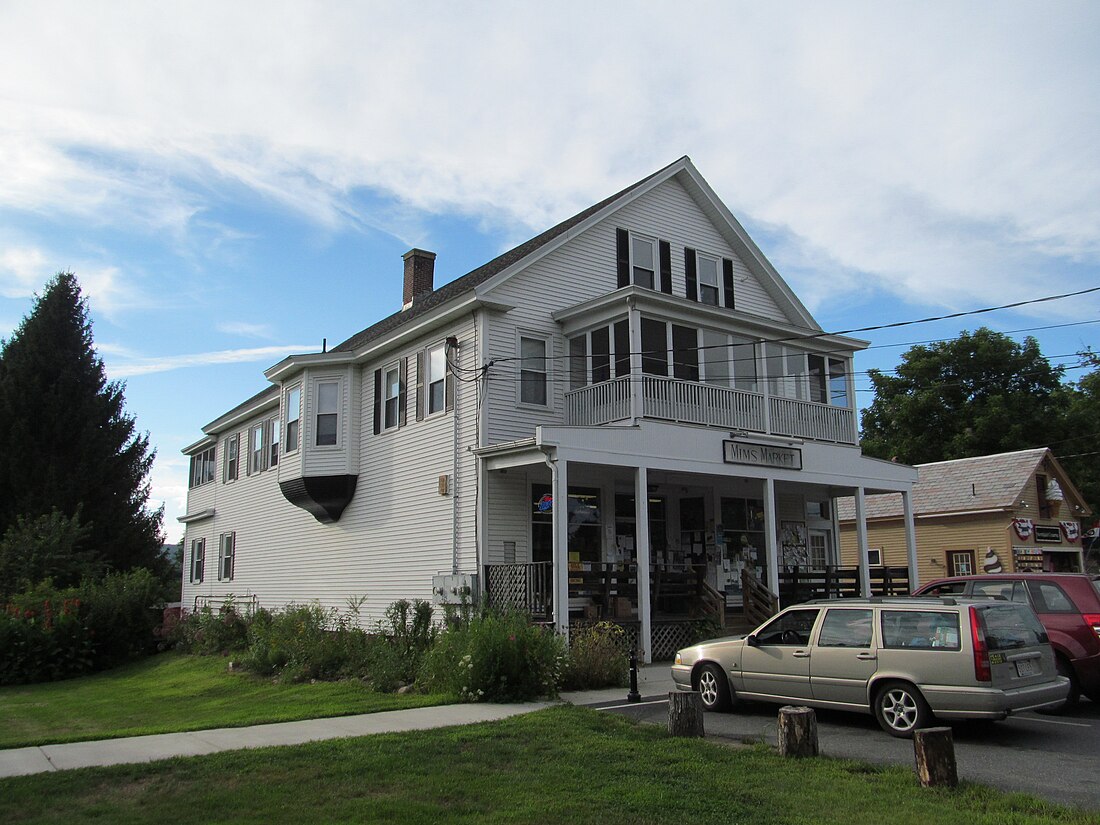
(905, 660)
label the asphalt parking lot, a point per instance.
(1054, 757)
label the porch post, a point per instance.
(641, 547)
(861, 544)
(560, 485)
(910, 540)
(637, 394)
(771, 536)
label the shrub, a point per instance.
(409, 633)
(597, 657)
(307, 642)
(48, 633)
(495, 657)
(211, 631)
(123, 610)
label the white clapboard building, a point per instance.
(629, 417)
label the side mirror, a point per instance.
(750, 640)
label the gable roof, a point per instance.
(501, 266)
(981, 483)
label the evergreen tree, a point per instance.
(66, 443)
(977, 394)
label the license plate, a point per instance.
(1027, 667)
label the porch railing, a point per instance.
(695, 402)
(760, 604)
(801, 584)
(599, 403)
(808, 419)
(603, 591)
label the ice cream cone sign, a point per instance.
(991, 563)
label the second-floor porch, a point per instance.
(694, 402)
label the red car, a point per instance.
(1068, 605)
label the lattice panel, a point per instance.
(668, 637)
(507, 586)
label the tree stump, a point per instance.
(797, 732)
(935, 752)
(685, 713)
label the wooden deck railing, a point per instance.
(760, 604)
(697, 402)
(801, 584)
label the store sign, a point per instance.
(762, 455)
(1047, 535)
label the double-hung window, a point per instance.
(232, 457)
(227, 553)
(643, 261)
(273, 448)
(435, 383)
(255, 448)
(202, 466)
(708, 278)
(328, 405)
(198, 560)
(709, 283)
(293, 418)
(533, 370)
(391, 384)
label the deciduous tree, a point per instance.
(978, 394)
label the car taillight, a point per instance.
(982, 671)
(1093, 621)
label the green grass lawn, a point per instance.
(560, 765)
(173, 692)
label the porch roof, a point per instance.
(681, 448)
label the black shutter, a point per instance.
(689, 273)
(727, 281)
(420, 401)
(666, 267)
(403, 394)
(377, 401)
(622, 256)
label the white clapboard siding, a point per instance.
(583, 269)
(396, 533)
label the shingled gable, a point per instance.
(965, 485)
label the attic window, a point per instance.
(643, 261)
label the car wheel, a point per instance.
(1074, 695)
(900, 709)
(714, 687)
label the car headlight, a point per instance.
(678, 660)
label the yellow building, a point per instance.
(1011, 512)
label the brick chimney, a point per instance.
(419, 275)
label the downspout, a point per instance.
(452, 344)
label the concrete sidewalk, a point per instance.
(654, 681)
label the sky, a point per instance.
(235, 182)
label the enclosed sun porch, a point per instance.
(643, 355)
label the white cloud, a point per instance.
(941, 152)
(246, 330)
(128, 364)
(22, 271)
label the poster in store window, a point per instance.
(792, 538)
